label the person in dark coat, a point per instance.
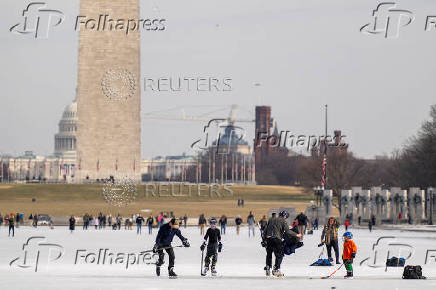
(164, 239)
(72, 221)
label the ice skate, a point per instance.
(267, 271)
(204, 272)
(277, 273)
(157, 270)
(171, 273)
(213, 271)
(349, 275)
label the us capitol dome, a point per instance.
(65, 139)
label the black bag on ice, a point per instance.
(413, 272)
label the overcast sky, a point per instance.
(303, 54)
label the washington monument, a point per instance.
(109, 121)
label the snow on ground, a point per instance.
(240, 265)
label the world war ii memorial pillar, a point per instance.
(415, 200)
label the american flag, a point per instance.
(324, 166)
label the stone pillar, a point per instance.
(385, 195)
(346, 204)
(398, 201)
(327, 202)
(357, 200)
(366, 204)
(430, 205)
(376, 204)
(415, 200)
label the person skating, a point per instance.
(251, 222)
(213, 247)
(329, 237)
(11, 225)
(150, 222)
(72, 221)
(163, 242)
(139, 221)
(349, 253)
(238, 222)
(272, 238)
(202, 223)
(302, 223)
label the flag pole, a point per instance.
(326, 130)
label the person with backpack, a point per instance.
(213, 247)
(276, 229)
(349, 253)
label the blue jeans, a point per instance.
(138, 228)
(223, 229)
(150, 229)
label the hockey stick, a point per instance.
(202, 255)
(326, 277)
(170, 247)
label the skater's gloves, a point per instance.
(263, 243)
(186, 243)
(155, 248)
(220, 247)
(353, 255)
(203, 246)
(321, 244)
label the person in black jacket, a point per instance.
(139, 221)
(213, 247)
(163, 242)
(72, 224)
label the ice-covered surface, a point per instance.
(240, 265)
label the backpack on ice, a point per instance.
(413, 272)
(395, 262)
(322, 262)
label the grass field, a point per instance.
(66, 199)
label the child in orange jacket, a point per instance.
(349, 253)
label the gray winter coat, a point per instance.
(277, 227)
